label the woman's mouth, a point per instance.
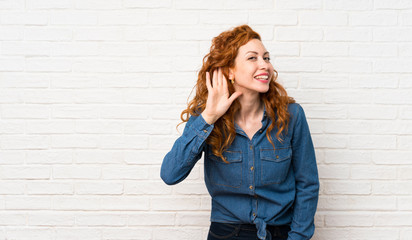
(262, 78)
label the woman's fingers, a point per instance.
(234, 96)
(215, 78)
(208, 84)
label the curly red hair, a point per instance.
(222, 55)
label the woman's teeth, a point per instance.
(262, 77)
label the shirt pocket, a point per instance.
(275, 165)
(226, 174)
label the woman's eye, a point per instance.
(267, 58)
(252, 58)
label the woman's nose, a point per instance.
(262, 63)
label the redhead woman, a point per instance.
(259, 160)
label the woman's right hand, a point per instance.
(218, 100)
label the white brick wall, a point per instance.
(91, 92)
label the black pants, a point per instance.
(218, 231)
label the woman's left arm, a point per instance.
(307, 180)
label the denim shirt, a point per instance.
(260, 185)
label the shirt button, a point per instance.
(252, 168)
(260, 131)
(251, 147)
(254, 214)
(277, 156)
(250, 187)
(205, 131)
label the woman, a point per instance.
(260, 166)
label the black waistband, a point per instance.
(252, 227)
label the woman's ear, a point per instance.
(231, 74)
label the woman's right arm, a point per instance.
(186, 151)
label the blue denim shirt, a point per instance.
(260, 186)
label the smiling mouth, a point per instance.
(262, 78)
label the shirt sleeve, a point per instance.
(307, 180)
(186, 151)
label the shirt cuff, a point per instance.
(201, 127)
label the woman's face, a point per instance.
(253, 70)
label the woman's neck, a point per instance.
(251, 107)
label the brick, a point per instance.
(11, 96)
(372, 82)
(352, 5)
(345, 66)
(148, 127)
(51, 219)
(124, 49)
(98, 34)
(325, 112)
(373, 112)
(11, 188)
(350, 219)
(48, 65)
(11, 218)
(191, 188)
(49, 157)
(323, 19)
(347, 34)
(98, 188)
(50, 127)
(98, 66)
(24, 18)
(125, 203)
(175, 203)
(406, 234)
(75, 49)
(74, 112)
(405, 203)
(151, 187)
(47, 34)
(151, 4)
(324, 82)
(82, 18)
(348, 96)
(74, 141)
(392, 188)
(358, 203)
(373, 50)
(392, 66)
(298, 4)
(372, 172)
(151, 64)
(48, 4)
(76, 172)
(96, 4)
(396, 4)
(283, 49)
(195, 33)
(333, 172)
(106, 127)
(181, 48)
(393, 97)
(347, 156)
(101, 219)
(168, 17)
(125, 172)
(12, 4)
(372, 142)
(98, 96)
(306, 96)
(235, 18)
(331, 141)
(123, 142)
(324, 49)
(11, 64)
(76, 233)
(398, 35)
(25, 142)
(26, 48)
(12, 157)
(11, 33)
(28, 203)
(392, 219)
(405, 49)
(405, 172)
(124, 112)
(298, 65)
(150, 96)
(97, 156)
(49, 188)
(162, 33)
(152, 218)
(143, 157)
(391, 157)
(63, 80)
(387, 18)
(176, 233)
(193, 219)
(43, 233)
(20, 80)
(25, 172)
(126, 233)
(123, 80)
(346, 188)
(298, 34)
(76, 202)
